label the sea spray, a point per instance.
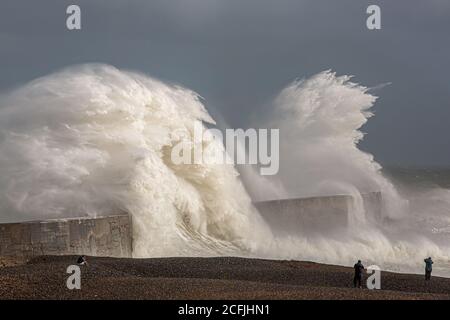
(95, 140)
(320, 120)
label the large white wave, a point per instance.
(320, 120)
(95, 140)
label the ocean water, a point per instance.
(419, 178)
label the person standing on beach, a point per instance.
(82, 260)
(357, 280)
(428, 268)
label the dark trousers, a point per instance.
(357, 281)
(427, 274)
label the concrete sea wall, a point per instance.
(316, 214)
(305, 214)
(102, 236)
(113, 235)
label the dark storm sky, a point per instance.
(238, 54)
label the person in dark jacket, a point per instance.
(357, 280)
(428, 268)
(82, 260)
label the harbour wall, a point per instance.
(100, 236)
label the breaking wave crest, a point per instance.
(96, 140)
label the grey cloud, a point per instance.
(239, 55)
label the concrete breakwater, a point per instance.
(101, 236)
(317, 214)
